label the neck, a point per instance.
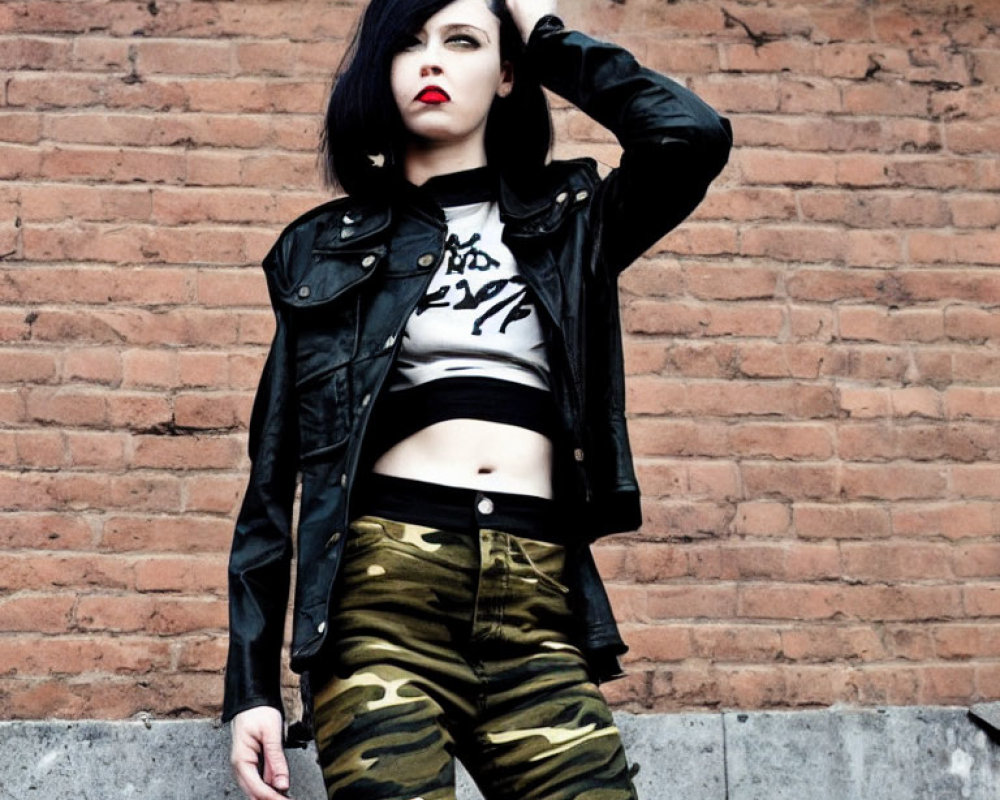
(426, 160)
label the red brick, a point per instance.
(976, 481)
(211, 494)
(910, 642)
(966, 402)
(643, 357)
(783, 441)
(678, 56)
(810, 95)
(793, 481)
(97, 450)
(144, 368)
(886, 99)
(680, 602)
(893, 481)
(963, 248)
(895, 561)
(974, 211)
(749, 687)
(63, 655)
(679, 438)
(710, 282)
(794, 243)
(770, 167)
(731, 94)
(92, 365)
(727, 642)
(882, 685)
(762, 518)
(653, 277)
(683, 519)
(202, 655)
(811, 642)
(185, 452)
(965, 641)
(701, 359)
(981, 599)
(685, 686)
(957, 520)
(68, 407)
(816, 521)
(804, 601)
(659, 643)
(45, 532)
(193, 575)
(185, 58)
(866, 323)
(188, 534)
(36, 613)
(805, 360)
(145, 493)
(30, 52)
(799, 57)
(946, 685)
(139, 411)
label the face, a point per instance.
(446, 78)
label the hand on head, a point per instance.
(527, 12)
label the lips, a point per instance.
(433, 94)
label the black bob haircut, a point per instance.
(362, 120)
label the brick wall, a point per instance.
(813, 358)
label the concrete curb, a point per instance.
(919, 753)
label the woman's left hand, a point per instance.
(527, 12)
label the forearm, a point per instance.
(640, 106)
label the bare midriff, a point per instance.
(476, 454)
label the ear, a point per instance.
(506, 85)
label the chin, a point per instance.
(429, 136)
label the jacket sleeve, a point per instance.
(260, 558)
(674, 144)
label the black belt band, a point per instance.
(458, 508)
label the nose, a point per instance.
(429, 69)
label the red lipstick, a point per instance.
(433, 94)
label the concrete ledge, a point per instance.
(836, 754)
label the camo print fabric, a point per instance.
(445, 646)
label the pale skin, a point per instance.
(457, 50)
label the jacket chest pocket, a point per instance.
(326, 312)
(323, 386)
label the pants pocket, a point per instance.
(544, 561)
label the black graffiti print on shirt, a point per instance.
(510, 294)
(465, 255)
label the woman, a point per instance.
(446, 378)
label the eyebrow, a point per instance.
(465, 25)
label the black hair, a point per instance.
(363, 141)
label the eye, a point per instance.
(465, 39)
(409, 42)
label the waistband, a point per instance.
(458, 508)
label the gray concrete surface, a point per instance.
(835, 754)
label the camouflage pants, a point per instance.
(452, 644)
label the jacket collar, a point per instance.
(527, 210)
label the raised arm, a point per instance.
(674, 143)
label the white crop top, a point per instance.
(477, 318)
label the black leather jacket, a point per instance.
(343, 279)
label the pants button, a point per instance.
(485, 506)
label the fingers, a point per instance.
(250, 782)
(275, 765)
(257, 757)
